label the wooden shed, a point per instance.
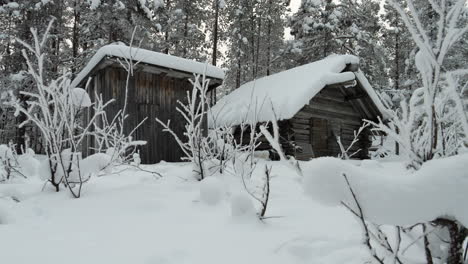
(313, 104)
(158, 82)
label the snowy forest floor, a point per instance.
(132, 216)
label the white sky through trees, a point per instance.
(295, 5)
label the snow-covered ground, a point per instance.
(133, 216)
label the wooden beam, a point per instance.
(355, 96)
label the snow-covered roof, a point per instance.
(148, 57)
(281, 95)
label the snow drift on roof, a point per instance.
(280, 96)
(149, 57)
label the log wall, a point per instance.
(329, 114)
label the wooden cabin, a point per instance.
(158, 82)
(313, 104)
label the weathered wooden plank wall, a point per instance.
(157, 97)
(149, 95)
(328, 115)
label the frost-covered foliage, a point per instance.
(13, 165)
(433, 122)
(111, 135)
(345, 150)
(54, 108)
(431, 125)
(222, 148)
(196, 148)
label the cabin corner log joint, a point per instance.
(158, 82)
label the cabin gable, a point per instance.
(328, 115)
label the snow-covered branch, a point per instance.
(196, 148)
(426, 124)
(55, 108)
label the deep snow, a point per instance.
(132, 216)
(438, 189)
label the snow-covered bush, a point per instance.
(345, 150)
(433, 122)
(109, 134)
(111, 138)
(197, 147)
(9, 163)
(54, 107)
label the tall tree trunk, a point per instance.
(252, 45)
(268, 57)
(76, 32)
(166, 34)
(184, 51)
(215, 32)
(397, 77)
(259, 34)
(327, 36)
(239, 67)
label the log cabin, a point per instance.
(158, 82)
(313, 105)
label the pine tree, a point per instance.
(324, 27)
(316, 30)
(182, 27)
(398, 49)
(18, 18)
(365, 39)
(256, 33)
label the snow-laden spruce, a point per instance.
(438, 189)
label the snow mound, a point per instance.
(95, 163)
(88, 166)
(211, 190)
(81, 98)
(29, 166)
(149, 57)
(370, 164)
(242, 206)
(438, 189)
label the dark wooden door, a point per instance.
(319, 136)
